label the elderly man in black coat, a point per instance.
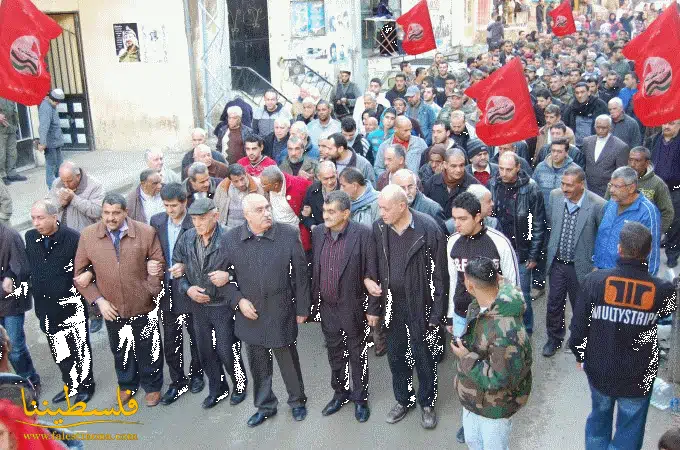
(15, 300)
(175, 307)
(412, 267)
(271, 296)
(51, 250)
(344, 255)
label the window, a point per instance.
(378, 31)
(24, 130)
(307, 18)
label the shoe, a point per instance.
(299, 413)
(428, 418)
(361, 412)
(126, 395)
(537, 293)
(237, 397)
(381, 352)
(212, 400)
(397, 413)
(196, 384)
(460, 436)
(334, 406)
(172, 394)
(16, 177)
(60, 397)
(672, 263)
(83, 397)
(259, 417)
(152, 399)
(6, 181)
(96, 325)
(551, 347)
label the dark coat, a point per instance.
(13, 264)
(270, 142)
(613, 155)
(188, 160)
(270, 271)
(314, 199)
(426, 277)
(172, 299)
(52, 276)
(358, 262)
(493, 168)
(195, 271)
(431, 208)
(214, 182)
(436, 189)
(247, 118)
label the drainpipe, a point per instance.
(192, 64)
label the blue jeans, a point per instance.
(482, 433)
(19, 356)
(525, 281)
(631, 416)
(459, 324)
(53, 160)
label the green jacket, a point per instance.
(494, 379)
(8, 108)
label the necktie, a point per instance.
(116, 242)
(46, 242)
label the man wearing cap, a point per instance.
(479, 166)
(8, 142)
(457, 102)
(345, 95)
(417, 109)
(51, 139)
(198, 249)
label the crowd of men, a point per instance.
(386, 219)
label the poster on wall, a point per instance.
(307, 18)
(154, 44)
(126, 38)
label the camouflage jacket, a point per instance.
(494, 379)
(469, 109)
(565, 95)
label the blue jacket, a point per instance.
(607, 241)
(426, 118)
(548, 177)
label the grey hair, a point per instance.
(627, 174)
(248, 199)
(203, 148)
(644, 150)
(454, 151)
(404, 173)
(200, 131)
(341, 198)
(616, 101)
(575, 171)
(604, 117)
(114, 198)
(75, 170)
(146, 173)
(457, 114)
(272, 173)
(282, 121)
(300, 126)
(296, 140)
(196, 169)
(151, 151)
(234, 110)
(47, 206)
(371, 95)
(478, 190)
(326, 165)
(399, 150)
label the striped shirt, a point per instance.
(332, 254)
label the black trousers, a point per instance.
(347, 350)
(563, 281)
(673, 234)
(406, 349)
(72, 352)
(135, 344)
(173, 347)
(262, 369)
(219, 348)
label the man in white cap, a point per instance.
(51, 139)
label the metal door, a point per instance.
(67, 70)
(249, 41)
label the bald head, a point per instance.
(393, 194)
(258, 213)
(393, 205)
(70, 175)
(252, 201)
(198, 136)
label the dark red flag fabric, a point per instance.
(563, 19)
(418, 32)
(25, 34)
(657, 64)
(507, 113)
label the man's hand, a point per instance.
(449, 328)
(197, 294)
(579, 366)
(219, 277)
(301, 319)
(41, 148)
(530, 264)
(373, 321)
(343, 100)
(154, 268)
(84, 279)
(307, 211)
(303, 174)
(65, 196)
(109, 312)
(3, 120)
(8, 285)
(372, 287)
(458, 348)
(247, 309)
(177, 270)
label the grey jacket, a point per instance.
(308, 165)
(5, 204)
(614, 155)
(433, 209)
(414, 152)
(50, 127)
(367, 214)
(628, 130)
(588, 221)
(85, 207)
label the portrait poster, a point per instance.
(126, 38)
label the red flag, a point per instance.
(563, 19)
(25, 35)
(657, 65)
(418, 32)
(507, 113)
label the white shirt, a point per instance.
(599, 146)
(152, 205)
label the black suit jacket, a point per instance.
(172, 299)
(358, 262)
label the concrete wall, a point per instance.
(133, 105)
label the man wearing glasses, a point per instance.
(626, 205)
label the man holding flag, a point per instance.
(417, 27)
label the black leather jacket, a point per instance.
(529, 210)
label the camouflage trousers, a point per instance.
(8, 154)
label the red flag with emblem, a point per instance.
(418, 32)
(657, 65)
(25, 34)
(563, 19)
(507, 113)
